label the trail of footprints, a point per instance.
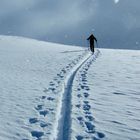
(86, 120)
(43, 108)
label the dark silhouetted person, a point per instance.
(91, 40)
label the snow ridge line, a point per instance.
(63, 121)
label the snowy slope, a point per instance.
(107, 97)
(115, 91)
(28, 69)
(52, 91)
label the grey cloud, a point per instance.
(70, 22)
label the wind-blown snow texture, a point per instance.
(52, 91)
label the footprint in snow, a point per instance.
(86, 94)
(37, 134)
(79, 137)
(33, 120)
(79, 95)
(43, 97)
(86, 102)
(78, 89)
(81, 121)
(39, 107)
(60, 75)
(87, 112)
(44, 124)
(44, 112)
(84, 80)
(52, 84)
(89, 117)
(52, 88)
(85, 87)
(100, 135)
(50, 98)
(67, 67)
(83, 75)
(90, 127)
(63, 70)
(78, 105)
(80, 118)
(86, 107)
(84, 83)
(86, 69)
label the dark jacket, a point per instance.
(91, 39)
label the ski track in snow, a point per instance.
(59, 95)
(65, 120)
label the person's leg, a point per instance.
(93, 48)
(90, 47)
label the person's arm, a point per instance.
(88, 38)
(95, 39)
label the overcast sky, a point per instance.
(115, 23)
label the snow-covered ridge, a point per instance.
(51, 91)
(30, 41)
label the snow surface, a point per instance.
(57, 92)
(107, 97)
